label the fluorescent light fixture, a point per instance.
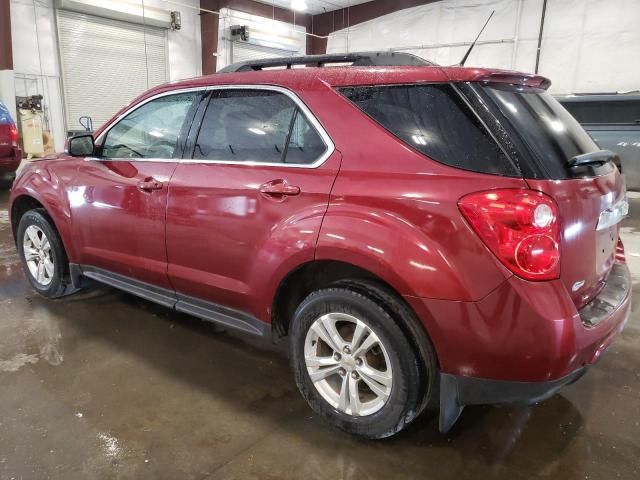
(419, 139)
(257, 131)
(299, 5)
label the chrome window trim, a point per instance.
(311, 118)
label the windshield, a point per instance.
(548, 131)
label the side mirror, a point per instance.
(81, 146)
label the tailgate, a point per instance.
(587, 250)
(590, 195)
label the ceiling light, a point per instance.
(299, 5)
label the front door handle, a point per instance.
(279, 188)
(150, 184)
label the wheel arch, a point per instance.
(19, 206)
(27, 201)
(317, 274)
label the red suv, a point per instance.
(10, 153)
(421, 234)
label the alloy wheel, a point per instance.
(348, 364)
(38, 255)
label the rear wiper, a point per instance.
(594, 158)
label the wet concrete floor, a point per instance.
(105, 385)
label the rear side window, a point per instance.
(605, 112)
(434, 120)
(256, 126)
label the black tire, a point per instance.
(407, 396)
(60, 283)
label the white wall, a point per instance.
(185, 46)
(588, 45)
(278, 34)
(36, 59)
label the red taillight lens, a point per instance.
(13, 135)
(520, 227)
(620, 255)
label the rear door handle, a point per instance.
(279, 188)
(150, 184)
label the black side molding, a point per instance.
(202, 309)
(136, 287)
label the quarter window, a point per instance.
(150, 131)
(256, 126)
(434, 120)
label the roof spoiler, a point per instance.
(515, 78)
(506, 77)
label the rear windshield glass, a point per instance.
(604, 112)
(434, 120)
(548, 131)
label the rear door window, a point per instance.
(434, 120)
(261, 126)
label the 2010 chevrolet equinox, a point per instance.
(421, 234)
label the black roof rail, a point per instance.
(360, 59)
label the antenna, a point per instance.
(466, 55)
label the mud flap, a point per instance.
(450, 408)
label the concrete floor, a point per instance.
(105, 385)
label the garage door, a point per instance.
(243, 52)
(106, 63)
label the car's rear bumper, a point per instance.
(9, 165)
(457, 391)
(521, 343)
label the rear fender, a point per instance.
(441, 258)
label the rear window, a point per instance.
(435, 120)
(548, 131)
(605, 112)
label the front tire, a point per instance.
(42, 254)
(354, 365)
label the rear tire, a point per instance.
(387, 378)
(42, 253)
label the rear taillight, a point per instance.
(521, 227)
(13, 135)
(620, 255)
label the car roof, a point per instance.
(297, 79)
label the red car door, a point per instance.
(248, 206)
(119, 199)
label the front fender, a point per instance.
(41, 181)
